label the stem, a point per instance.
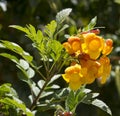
(38, 96)
(38, 72)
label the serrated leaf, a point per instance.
(39, 38)
(19, 28)
(11, 57)
(62, 15)
(91, 25)
(18, 104)
(55, 49)
(70, 102)
(50, 29)
(7, 90)
(4, 89)
(17, 49)
(100, 104)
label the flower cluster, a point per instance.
(91, 51)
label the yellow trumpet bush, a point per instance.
(93, 45)
(105, 69)
(91, 51)
(73, 76)
(73, 45)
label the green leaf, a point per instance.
(22, 74)
(23, 64)
(20, 28)
(17, 49)
(62, 29)
(91, 99)
(27, 71)
(91, 25)
(55, 49)
(44, 94)
(62, 15)
(55, 77)
(31, 33)
(81, 93)
(54, 86)
(18, 104)
(30, 72)
(50, 29)
(90, 96)
(11, 57)
(70, 101)
(35, 89)
(100, 104)
(41, 83)
(4, 89)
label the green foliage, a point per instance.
(45, 94)
(91, 99)
(50, 29)
(55, 49)
(91, 25)
(9, 101)
(62, 15)
(85, 96)
(17, 49)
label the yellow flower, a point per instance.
(93, 45)
(68, 48)
(73, 45)
(105, 69)
(108, 46)
(73, 76)
(89, 69)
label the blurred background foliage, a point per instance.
(39, 13)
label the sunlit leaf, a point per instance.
(11, 57)
(18, 104)
(55, 48)
(17, 49)
(55, 77)
(62, 15)
(44, 94)
(7, 90)
(20, 28)
(35, 89)
(30, 72)
(91, 99)
(91, 25)
(41, 83)
(23, 64)
(50, 29)
(70, 101)
(62, 29)
(54, 86)
(100, 104)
